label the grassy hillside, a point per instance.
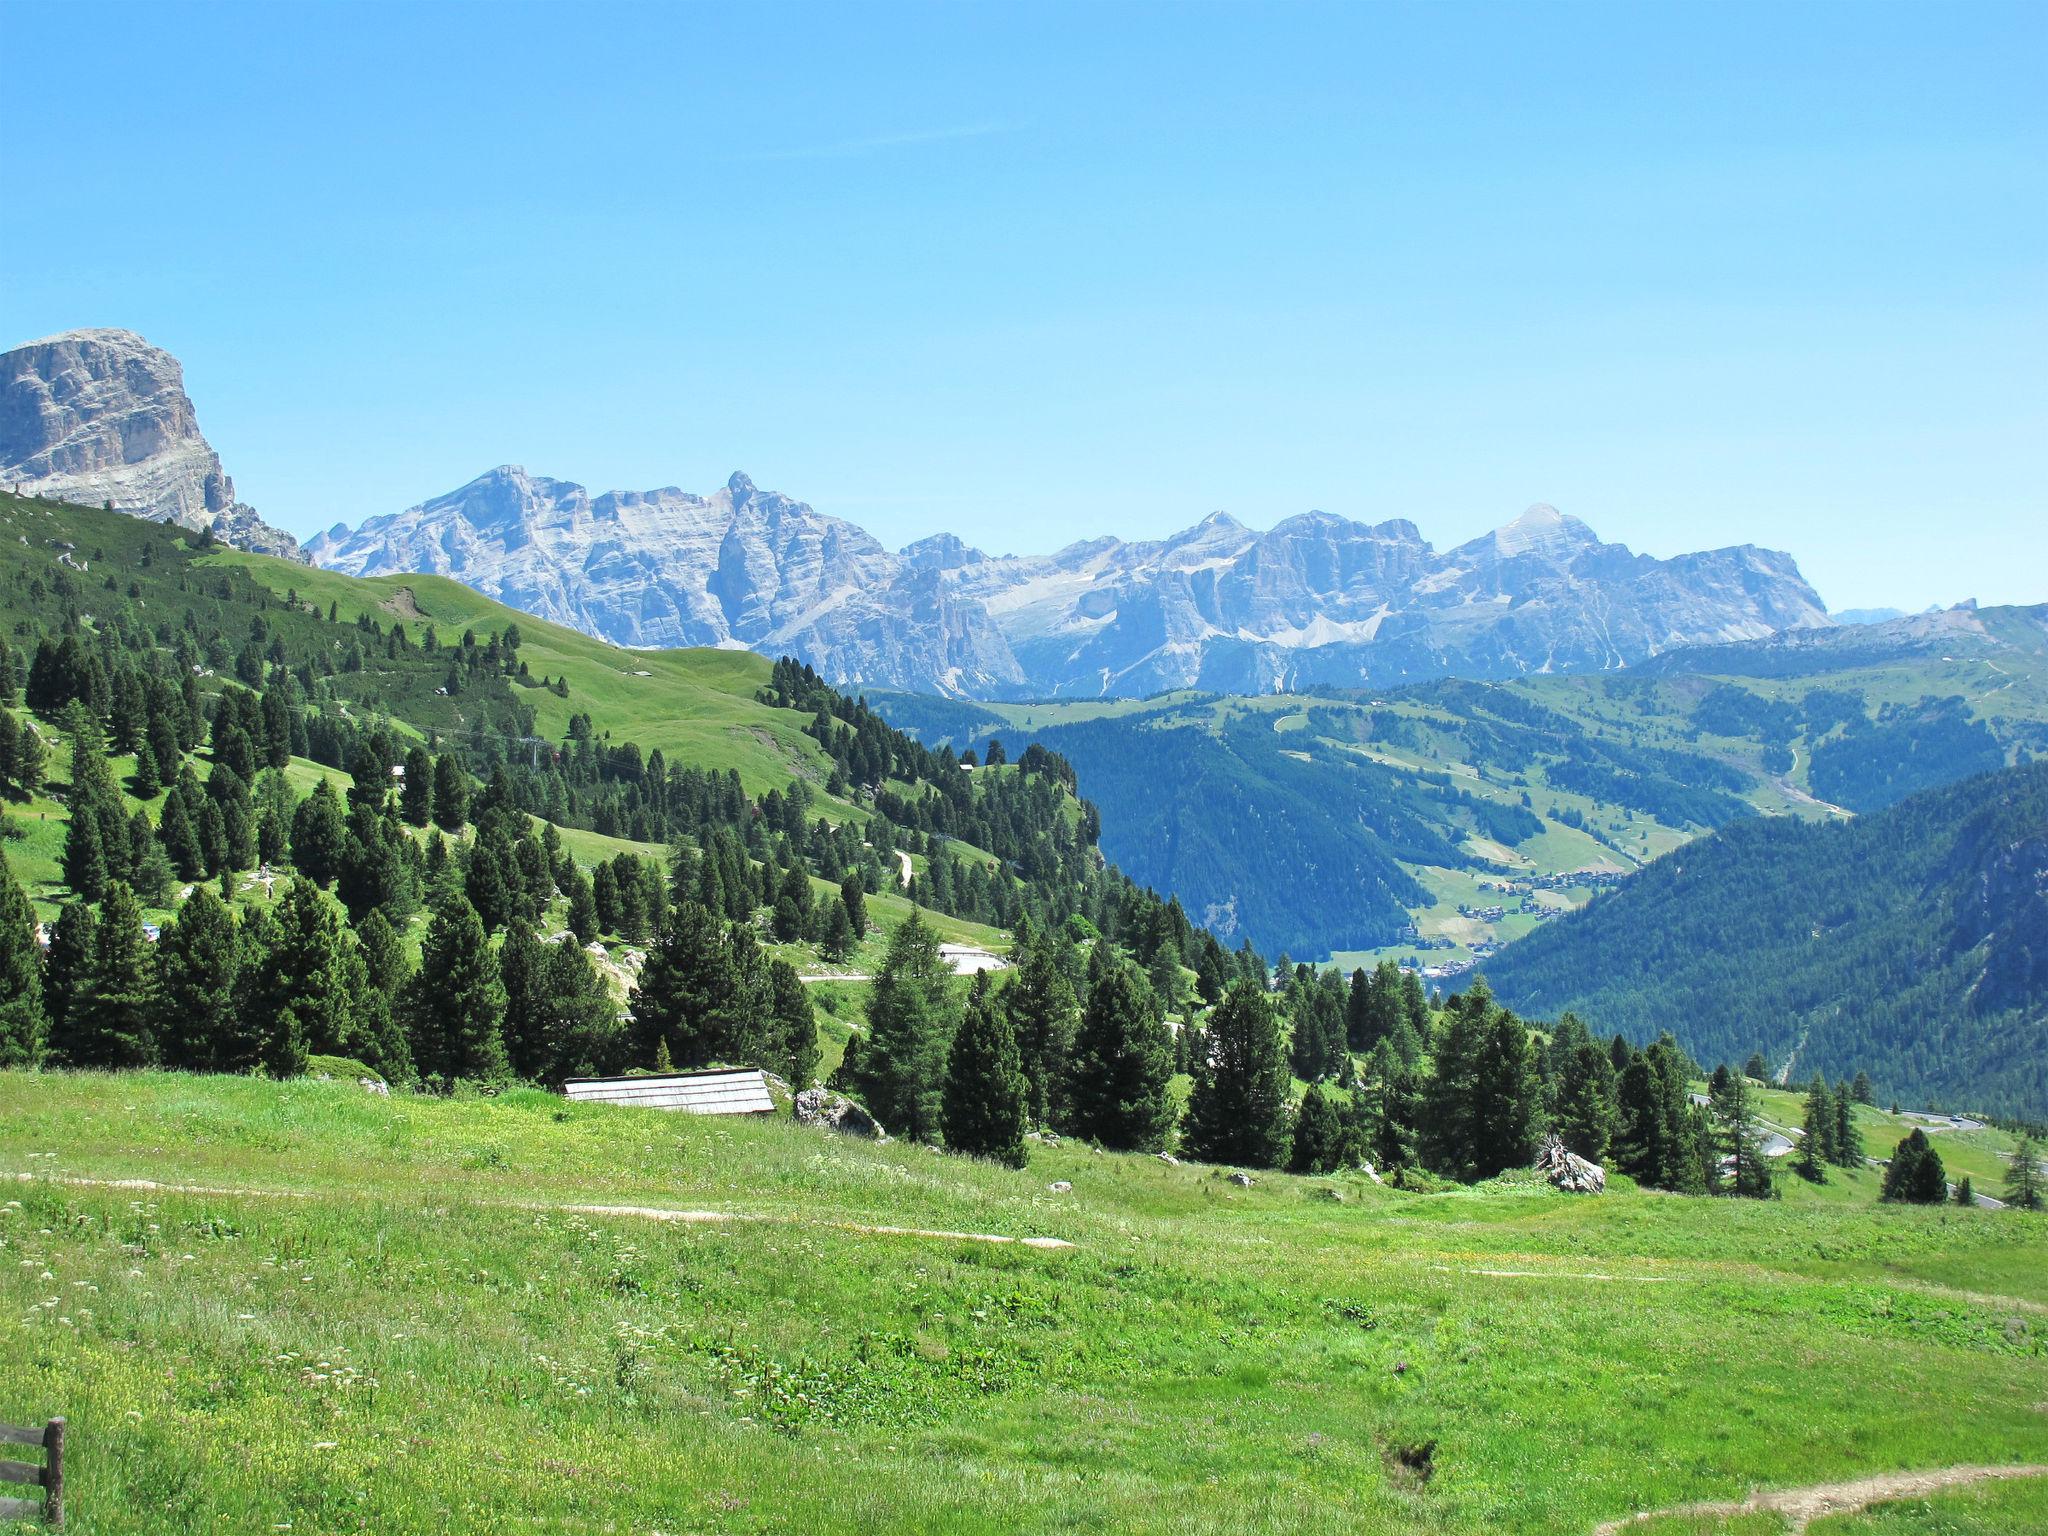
(413, 1314)
(1912, 943)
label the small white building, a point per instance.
(718, 1092)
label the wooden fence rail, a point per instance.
(49, 1477)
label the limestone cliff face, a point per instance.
(101, 416)
(1316, 600)
(741, 567)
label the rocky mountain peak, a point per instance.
(100, 416)
(739, 484)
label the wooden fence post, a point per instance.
(53, 1475)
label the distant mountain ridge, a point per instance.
(1316, 600)
(1912, 942)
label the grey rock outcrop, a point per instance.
(100, 417)
(1569, 1171)
(826, 1110)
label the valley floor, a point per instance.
(409, 1314)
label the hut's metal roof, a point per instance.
(696, 1093)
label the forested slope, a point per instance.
(1912, 942)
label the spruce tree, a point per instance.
(22, 1021)
(910, 1032)
(455, 1002)
(319, 835)
(2024, 1184)
(1848, 1136)
(687, 998)
(198, 960)
(984, 1103)
(1861, 1091)
(1585, 1114)
(583, 916)
(85, 863)
(1237, 1108)
(795, 1052)
(1123, 1061)
(853, 896)
(1393, 1108)
(108, 1022)
(1482, 1097)
(1915, 1175)
(72, 940)
(451, 794)
(1318, 1144)
(1044, 1014)
(1741, 1138)
(1817, 1133)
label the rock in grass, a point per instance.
(1241, 1180)
(836, 1112)
(1060, 1187)
(1567, 1170)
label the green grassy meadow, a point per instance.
(387, 1317)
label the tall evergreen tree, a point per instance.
(795, 1048)
(1915, 1174)
(2024, 1184)
(687, 1000)
(1393, 1108)
(198, 960)
(73, 938)
(455, 1003)
(1741, 1138)
(910, 1031)
(1318, 1143)
(1123, 1062)
(22, 1021)
(108, 1022)
(1817, 1132)
(1848, 1136)
(984, 1103)
(1044, 1015)
(1237, 1109)
(1482, 1097)
(451, 794)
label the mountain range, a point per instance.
(1317, 600)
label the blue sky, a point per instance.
(1698, 275)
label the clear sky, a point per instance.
(1699, 275)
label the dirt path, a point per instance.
(904, 871)
(1802, 1506)
(572, 1208)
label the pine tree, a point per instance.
(1817, 1132)
(583, 916)
(687, 998)
(1482, 1098)
(2024, 1184)
(910, 1031)
(1915, 1175)
(198, 960)
(1848, 1137)
(1741, 1138)
(522, 972)
(1123, 1062)
(22, 1021)
(984, 1102)
(296, 994)
(455, 1002)
(853, 896)
(1585, 1114)
(794, 1050)
(416, 799)
(1044, 1015)
(1318, 1145)
(451, 794)
(85, 863)
(1861, 1090)
(31, 761)
(1966, 1192)
(839, 941)
(1393, 1108)
(108, 1022)
(1237, 1108)
(72, 940)
(319, 835)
